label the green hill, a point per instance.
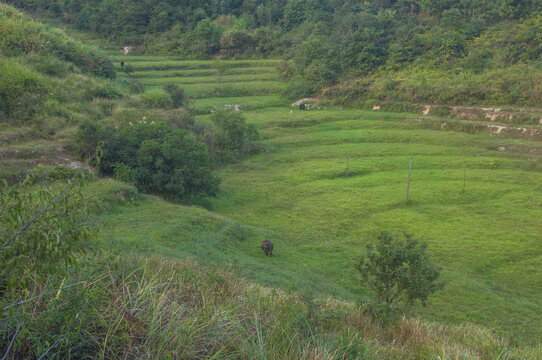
(396, 52)
(173, 280)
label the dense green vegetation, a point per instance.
(437, 52)
(49, 84)
(400, 274)
(155, 157)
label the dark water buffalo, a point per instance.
(267, 248)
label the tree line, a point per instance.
(323, 41)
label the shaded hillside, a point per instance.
(401, 52)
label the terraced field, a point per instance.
(199, 79)
(487, 238)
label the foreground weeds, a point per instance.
(134, 308)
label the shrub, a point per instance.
(88, 136)
(176, 167)
(298, 90)
(49, 65)
(158, 160)
(176, 93)
(399, 273)
(157, 98)
(477, 61)
(233, 135)
(133, 85)
(35, 242)
(61, 173)
(181, 119)
(22, 91)
(107, 91)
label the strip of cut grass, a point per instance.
(251, 88)
(212, 80)
(203, 72)
(193, 64)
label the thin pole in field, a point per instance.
(464, 179)
(409, 173)
(347, 165)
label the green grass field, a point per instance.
(487, 239)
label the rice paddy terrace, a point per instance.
(487, 238)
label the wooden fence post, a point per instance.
(409, 172)
(464, 179)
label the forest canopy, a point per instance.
(325, 42)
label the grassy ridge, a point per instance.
(237, 89)
(204, 72)
(159, 64)
(263, 79)
(484, 238)
(130, 299)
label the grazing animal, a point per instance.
(301, 106)
(267, 248)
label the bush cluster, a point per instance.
(154, 157)
(233, 137)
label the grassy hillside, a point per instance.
(49, 83)
(485, 237)
(126, 306)
(451, 52)
(142, 293)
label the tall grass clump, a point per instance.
(157, 99)
(298, 90)
(22, 91)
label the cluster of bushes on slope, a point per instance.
(262, 27)
(171, 157)
(374, 44)
(117, 307)
(167, 153)
(153, 156)
(326, 42)
(515, 85)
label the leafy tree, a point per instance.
(399, 272)
(176, 167)
(294, 14)
(233, 135)
(159, 160)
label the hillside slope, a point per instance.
(140, 300)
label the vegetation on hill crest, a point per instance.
(133, 296)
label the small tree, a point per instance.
(399, 272)
(233, 136)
